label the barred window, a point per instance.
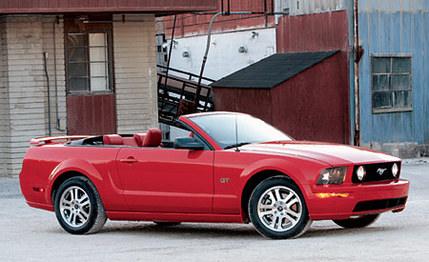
(391, 84)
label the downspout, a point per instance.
(357, 53)
(57, 114)
(45, 66)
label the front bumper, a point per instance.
(344, 201)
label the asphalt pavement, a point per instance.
(28, 234)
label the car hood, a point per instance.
(333, 154)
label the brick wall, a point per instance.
(135, 72)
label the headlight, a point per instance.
(360, 173)
(395, 170)
(334, 175)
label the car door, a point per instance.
(167, 179)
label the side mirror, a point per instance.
(188, 143)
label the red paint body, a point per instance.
(186, 185)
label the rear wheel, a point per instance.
(277, 209)
(78, 206)
(357, 222)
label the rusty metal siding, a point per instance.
(314, 32)
(190, 24)
(312, 105)
(256, 102)
(62, 6)
(301, 7)
(395, 28)
(83, 118)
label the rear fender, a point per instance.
(73, 165)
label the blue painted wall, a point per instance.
(395, 27)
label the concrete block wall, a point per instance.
(134, 55)
(23, 81)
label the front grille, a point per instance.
(376, 172)
(379, 204)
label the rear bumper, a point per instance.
(340, 202)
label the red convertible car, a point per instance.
(228, 167)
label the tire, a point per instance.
(166, 224)
(79, 215)
(282, 211)
(359, 222)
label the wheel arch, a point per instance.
(255, 180)
(68, 169)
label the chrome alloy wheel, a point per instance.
(279, 208)
(75, 206)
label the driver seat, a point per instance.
(152, 138)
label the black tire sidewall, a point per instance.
(360, 222)
(254, 218)
(83, 184)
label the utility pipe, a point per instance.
(356, 53)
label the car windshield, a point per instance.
(231, 130)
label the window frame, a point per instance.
(391, 57)
(109, 53)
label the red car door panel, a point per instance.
(167, 180)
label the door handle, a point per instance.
(129, 160)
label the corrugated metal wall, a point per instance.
(191, 24)
(309, 106)
(392, 28)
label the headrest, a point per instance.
(153, 138)
(139, 137)
(112, 140)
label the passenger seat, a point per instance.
(113, 140)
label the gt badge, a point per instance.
(224, 180)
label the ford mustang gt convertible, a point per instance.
(225, 167)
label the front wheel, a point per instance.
(277, 209)
(78, 206)
(357, 222)
(166, 223)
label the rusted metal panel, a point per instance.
(256, 102)
(190, 24)
(64, 6)
(91, 115)
(314, 32)
(311, 106)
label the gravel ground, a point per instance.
(28, 234)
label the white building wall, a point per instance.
(23, 84)
(53, 44)
(4, 102)
(224, 56)
(134, 45)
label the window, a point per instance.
(231, 129)
(88, 62)
(391, 84)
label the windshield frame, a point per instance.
(187, 119)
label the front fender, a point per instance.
(279, 165)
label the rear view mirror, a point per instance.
(188, 143)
